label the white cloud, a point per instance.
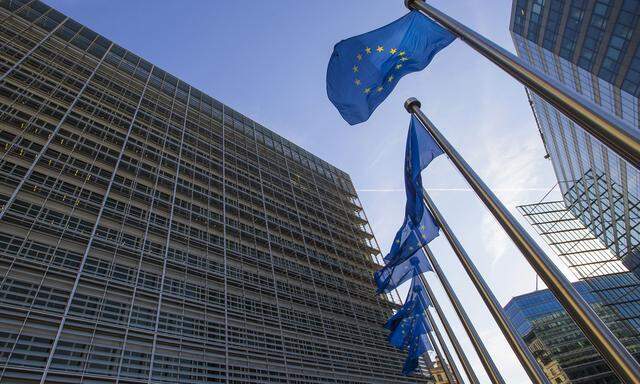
(510, 165)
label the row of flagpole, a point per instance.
(457, 347)
(445, 358)
(452, 372)
(552, 276)
(515, 341)
(612, 350)
(612, 132)
(484, 356)
(442, 353)
(354, 71)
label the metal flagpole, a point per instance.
(445, 365)
(521, 350)
(613, 132)
(452, 364)
(481, 350)
(617, 356)
(449, 331)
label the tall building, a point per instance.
(149, 233)
(562, 350)
(592, 47)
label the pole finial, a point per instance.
(410, 103)
(409, 4)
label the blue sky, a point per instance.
(267, 59)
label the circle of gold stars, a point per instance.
(380, 49)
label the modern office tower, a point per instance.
(150, 234)
(592, 48)
(562, 350)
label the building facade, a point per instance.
(562, 350)
(149, 233)
(587, 256)
(592, 47)
(438, 373)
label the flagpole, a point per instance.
(613, 132)
(611, 349)
(449, 331)
(481, 350)
(528, 362)
(445, 366)
(445, 349)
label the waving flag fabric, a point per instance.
(404, 320)
(391, 277)
(363, 70)
(421, 150)
(418, 346)
(409, 327)
(419, 226)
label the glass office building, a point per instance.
(592, 48)
(557, 343)
(587, 257)
(149, 233)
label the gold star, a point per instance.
(359, 56)
(424, 236)
(368, 50)
(367, 90)
(390, 79)
(355, 68)
(380, 48)
(423, 227)
(398, 66)
(401, 53)
(379, 89)
(393, 51)
(357, 81)
(404, 59)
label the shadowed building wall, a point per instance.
(149, 233)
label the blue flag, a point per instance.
(363, 70)
(391, 277)
(404, 320)
(418, 346)
(409, 327)
(421, 150)
(419, 226)
(410, 238)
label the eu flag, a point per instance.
(410, 238)
(391, 277)
(418, 346)
(409, 327)
(419, 226)
(405, 319)
(421, 150)
(363, 70)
